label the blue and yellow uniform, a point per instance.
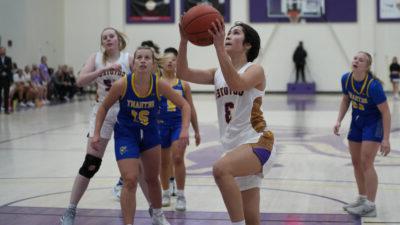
(136, 129)
(366, 121)
(170, 117)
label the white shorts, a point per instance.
(254, 181)
(109, 122)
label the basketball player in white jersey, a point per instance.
(104, 68)
(239, 88)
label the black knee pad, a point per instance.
(90, 166)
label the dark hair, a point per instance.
(151, 44)
(171, 50)
(250, 36)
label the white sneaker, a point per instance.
(69, 217)
(359, 201)
(180, 203)
(159, 219)
(117, 191)
(21, 104)
(364, 210)
(166, 199)
(30, 104)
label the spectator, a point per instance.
(395, 77)
(44, 74)
(299, 59)
(37, 83)
(6, 77)
(18, 87)
(31, 93)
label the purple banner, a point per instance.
(223, 7)
(155, 11)
(332, 11)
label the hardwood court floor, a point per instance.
(42, 149)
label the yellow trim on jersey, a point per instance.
(137, 93)
(124, 85)
(362, 88)
(176, 82)
(347, 80)
(157, 91)
(369, 84)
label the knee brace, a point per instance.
(90, 166)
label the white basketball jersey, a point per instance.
(104, 81)
(239, 112)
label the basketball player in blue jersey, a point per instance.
(170, 118)
(369, 130)
(136, 131)
(239, 88)
(104, 68)
(157, 71)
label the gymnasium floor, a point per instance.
(41, 151)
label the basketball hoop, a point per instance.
(293, 15)
(294, 10)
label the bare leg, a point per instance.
(143, 184)
(178, 156)
(81, 183)
(165, 167)
(129, 169)
(151, 164)
(239, 162)
(355, 152)
(369, 150)
(251, 206)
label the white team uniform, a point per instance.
(104, 82)
(235, 110)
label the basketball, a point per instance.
(196, 23)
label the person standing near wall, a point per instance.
(6, 78)
(395, 77)
(299, 59)
(369, 130)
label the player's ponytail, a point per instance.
(369, 67)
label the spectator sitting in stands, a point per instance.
(37, 83)
(18, 88)
(31, 93)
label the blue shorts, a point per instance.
(372, 131)
(169, 133)
(394, 77)
(131, 141)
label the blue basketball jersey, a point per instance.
(139, 111)
(168, 110)
(364, 95)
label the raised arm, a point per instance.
(181, 103)
(385, 145)
(89, 73)
(254, 76)
(184, 72)
(193, 115)
(344, 106)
